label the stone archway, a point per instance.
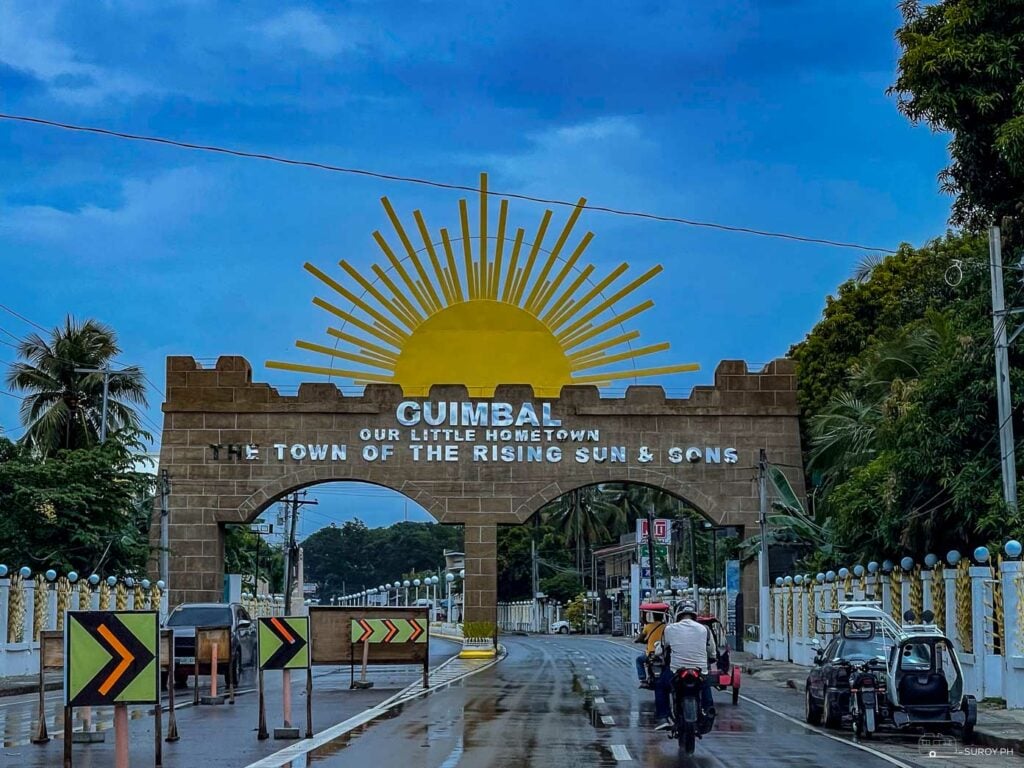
(232, 446)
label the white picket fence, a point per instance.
(980, 608)
(29, 606)
(527, 616)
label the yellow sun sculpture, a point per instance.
(491, 320)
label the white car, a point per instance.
(563, 627)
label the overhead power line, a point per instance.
(432, 183)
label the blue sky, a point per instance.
(762, 113)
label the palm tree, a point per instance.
(583, 517)
(63, 408)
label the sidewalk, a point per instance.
(997, 727)
(22, 684)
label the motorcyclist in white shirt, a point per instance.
(691, 646)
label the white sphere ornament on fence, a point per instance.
(25, 571)
(907, 563)
(952, 557)
(3, 571)
(981, 554)
(129, 582)
(415, 582)
(145, 583)
(887, 566)
(858, 570)
(1012, 548)
(820, 578)
(798, 580)
(788, 581)
(406, 584)
(778, 581)
(51, 575)
(830, 576)
(449, 577)
(111, 581)
(462, 573)
(873, 567)
(930, 560)
(94, 579)
(844, 572)
(73, 577)
(161, 585)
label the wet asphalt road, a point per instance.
(536, 708)
(210, 736)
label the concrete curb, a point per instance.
(22, 689)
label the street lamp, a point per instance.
(416, 583)
(405, 585)
(449, 578)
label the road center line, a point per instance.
(620, 753)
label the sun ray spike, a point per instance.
(430, 293)
(383, 276)
(578, 338)
(640, 373)
(615, 297)
(453, 271)
(381, 334)
(331, 352)
(467, 249)
(595, 290)
(389, 362)
(363, 344)
(404, 275)
(298, 368)
(510, 275)
(629, 354)
(483, 287)
(348, 317)
(565, 301)
(395, 309)
(357, 301)
(545, 296)
(602, 346)
(499, 251)
(539, 287)
(432, 253)
(532, 258)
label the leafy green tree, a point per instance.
(85, 509)
(962, 71)
(240, 557)
(562, 587)
(63, 408)
(351, 557)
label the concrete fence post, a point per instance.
(5, 610)
(1012, 578)
(28, 587)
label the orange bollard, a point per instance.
(120, 736)
(213, 673)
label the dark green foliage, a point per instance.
(352, 557)
(904, 434)
(962, 71)
(240, 557)
(85, 509)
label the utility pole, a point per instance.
(693, 557)
(762, 559)
(1000, 319)
(291, 553)
(107, 373)
(650, 545)
(533, 581)
(165, 518)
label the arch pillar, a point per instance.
(480, 588)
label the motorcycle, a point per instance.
(865, 690)
(690, 720)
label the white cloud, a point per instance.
(152, 209)
(303, 29)
(28, 44)
(608, 159)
